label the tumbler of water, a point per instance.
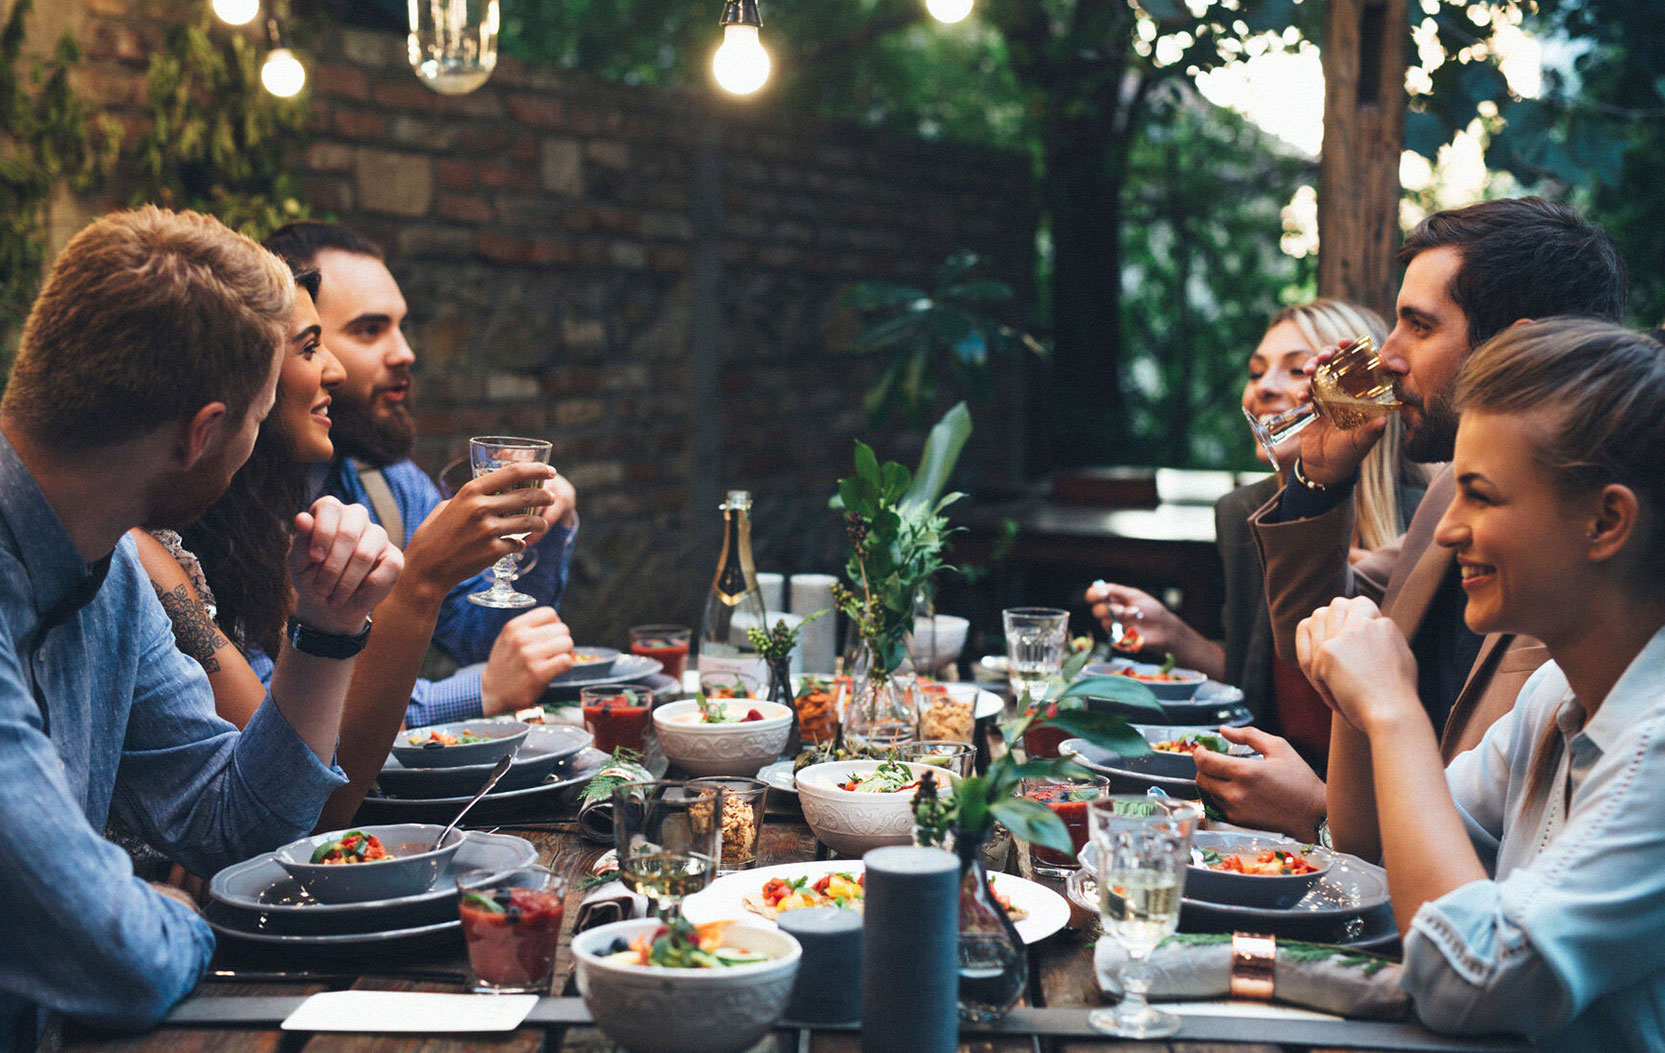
(1035, 640)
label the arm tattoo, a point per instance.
(194, 632)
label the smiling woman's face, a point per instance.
(309, 373)
(1278, 374)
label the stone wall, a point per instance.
(648, 279)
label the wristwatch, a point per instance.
(327, 645)
(1324, 839)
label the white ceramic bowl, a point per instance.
(849, 821)
(940, 637)
(412, 870)
(652, 1010)
(740, 747)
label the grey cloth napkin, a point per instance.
(609, 902)
(595, 817)
(1341, 981)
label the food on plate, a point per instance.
(891, 776)
(817, 706)
(844, 889)
(435, 739)
(1270, 863)
(1017, 914)
(737, 690)
(822, 752)
(511, 934)
(1191, 744)
(678, 944)
(586, 657)
(1163, 674)
(353, 847)
(944, 717)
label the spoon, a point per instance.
(491, 780)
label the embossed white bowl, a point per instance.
(849, 821)
(740, 747)
(652, 1010)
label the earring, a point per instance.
(1593, 533)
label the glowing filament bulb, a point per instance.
(741, 65)
(236, 12)
(283, 75)
(948, 11)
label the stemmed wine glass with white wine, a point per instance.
(1350, 390)
(669, 839)
(486, 454)
(1144, 845)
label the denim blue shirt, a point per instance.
(101, 715)
(465, 631)
(1566, 943)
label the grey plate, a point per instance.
(545, 746)
(605, 658)
(501, 740)
(626, 668)
(494, 806)
(233, 925)
(267, 899)
(1213, 704)
(1167, 690)
(1179, 765)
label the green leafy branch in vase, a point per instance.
(980, 801)
(897, 535)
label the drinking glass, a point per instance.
(1350, 390)
(1144, 844)
(947, 754)
(453, 43)
(743, 803)
(668, 835)
(1069, 799)
(1035, 639)
(617, 715)
(486, 454)
(666, 643)
(511, 921)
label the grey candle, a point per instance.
(828, 988)
(910, 951)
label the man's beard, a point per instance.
(358, 433)
(1434, 439)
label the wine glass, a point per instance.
(1144, 845)
(1350, 390)
(486, 454)
(668, 836)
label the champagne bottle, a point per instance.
(726, 657)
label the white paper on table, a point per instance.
(1245, 1008)
(409, 1011)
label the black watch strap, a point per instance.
(327, 645)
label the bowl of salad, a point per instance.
(1172, 749)
(722, 736)
(675, 987)
(459, 743)
(1252, 870)
(1168, 682)
(856, 805)
(369, 862)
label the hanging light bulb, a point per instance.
(283, 75)
(740, 64)
(948, 11)
(236, 12)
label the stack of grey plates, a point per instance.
(554, 759)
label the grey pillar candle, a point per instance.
(828, 988)
(910, 951)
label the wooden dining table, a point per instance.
(240, 1006)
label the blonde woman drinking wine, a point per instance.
(1528, 877)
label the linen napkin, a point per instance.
(595, 811)
(610, 901)
(1315, 976)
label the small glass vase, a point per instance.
(994, 966)
(780, 692)
(881, 714)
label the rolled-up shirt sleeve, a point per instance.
(1532, 950)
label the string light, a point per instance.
(282, 74)
(948, 11)
(740, 65)
(236, 12)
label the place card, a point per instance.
(371, 1011)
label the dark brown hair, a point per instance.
(1524, 258)
(302, 241)
(146, 317)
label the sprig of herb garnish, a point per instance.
(602, 785)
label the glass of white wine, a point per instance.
(669, 838)
(1350, 390)
(1144, 845)
(486, 454)
(453, 43)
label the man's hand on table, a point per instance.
(1277, 792)
(533, 649)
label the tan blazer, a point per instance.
(1306, 567)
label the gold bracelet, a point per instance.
(1252, 961)
(1301, 477)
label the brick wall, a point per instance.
(648, 279)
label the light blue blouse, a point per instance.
(1566, 943)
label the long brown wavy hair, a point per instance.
(243, 538)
